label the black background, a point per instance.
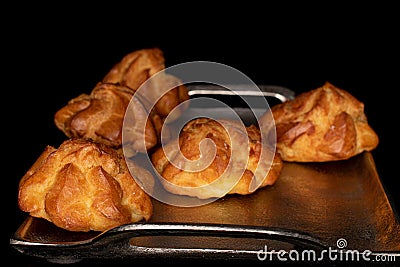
(51, 57)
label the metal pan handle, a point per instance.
(121, 237)
(279, 92)
(116, 243)
(219, 230)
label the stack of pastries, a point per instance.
(85, 184)
(99, 115)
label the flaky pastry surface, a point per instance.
(83, 186)
(324, 124)
(189, 139)
(99, 115)
(137, 67)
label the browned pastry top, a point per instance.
(99, 115)
(136, 67)
(189, 139)
(324, 124)
(83, 186)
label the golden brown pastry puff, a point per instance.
(136, 67)
(83, 186)
(100, 116)
(324, 124)
(181, 180)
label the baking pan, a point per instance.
(314, 207)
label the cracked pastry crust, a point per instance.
(136, 67)
(83, 186)
(189, 140)
(99, 116)
(324, 124)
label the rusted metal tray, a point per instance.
(339, 208)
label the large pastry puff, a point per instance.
(181, 181)
(324, 124)
(83, 186)
(136, 67)
(100, 116)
